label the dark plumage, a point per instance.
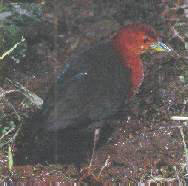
(91, 89)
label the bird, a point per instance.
(97, 83)
(94, 84)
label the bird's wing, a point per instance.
(64, 94)
(87, 90)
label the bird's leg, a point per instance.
(96, 139)
(87, 172)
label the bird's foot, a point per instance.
(88, 173)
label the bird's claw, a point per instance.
(87, 175)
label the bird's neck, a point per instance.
(131, 60)
(134, 63)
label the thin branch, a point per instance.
(12, 49)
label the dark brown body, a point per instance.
(92, 89)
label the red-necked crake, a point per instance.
(95, 84)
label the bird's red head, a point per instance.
(131, 41)
(134, 39)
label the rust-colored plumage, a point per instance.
(132, 41)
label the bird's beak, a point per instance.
(160, 47)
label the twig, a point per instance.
(33, 98)
(2, 96)
(4, 92)
(177, 34)
(9, 131)
(12, 49)
(179, 118)
(107, 164)
(185, 147)
(11, 140)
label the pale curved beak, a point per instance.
(160, 47)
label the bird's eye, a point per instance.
(146, 39)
